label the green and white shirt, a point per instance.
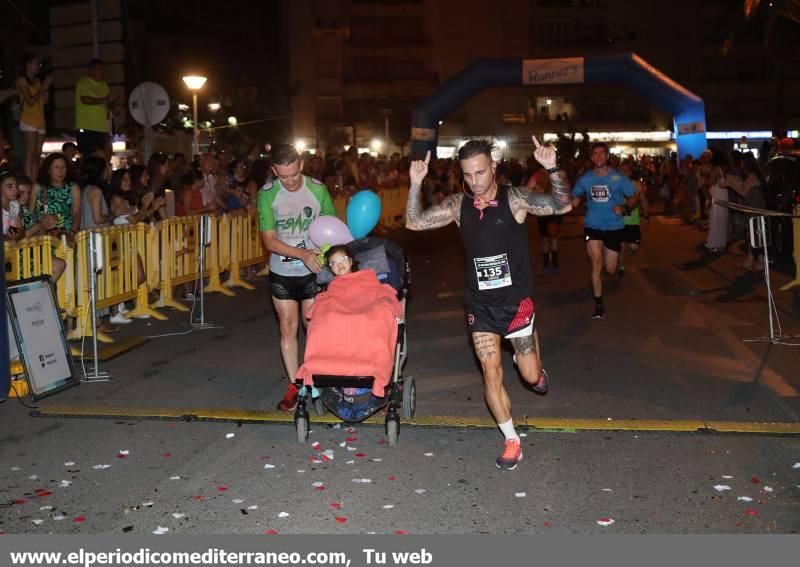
(290, 214)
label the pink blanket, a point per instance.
(352, 330)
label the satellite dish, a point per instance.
(149, 104)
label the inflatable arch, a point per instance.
(628, 69)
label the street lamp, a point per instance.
(195, 83)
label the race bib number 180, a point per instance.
(493, 272)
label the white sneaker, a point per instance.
(122, 309)
(120, 319)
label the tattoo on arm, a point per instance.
(542, 204)
(418, 218)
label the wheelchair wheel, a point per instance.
(392, 431)
(301, 425)
(319, 407)
(409, 398)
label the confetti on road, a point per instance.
(69, 464)
(755, 480)
(349, 462)
(388, 506)
(65, 483)
(270, 466)
(546, 524)
(253, 507)
(273, 532)
(376, 460)
(796, 466)
(605, 521)
(79, 519)
(175, 478)
(351, 439)
(237, 501)
(45, 508)
(301, 470)
(523, 434)
(727, 477)
(318, 484)
(340, 519)
(222, 488)
(178, 515)
(420, 490)
(391, 477)
(315, 445)
(160, 530)
(166, 455)
(36, 522)
(327, 454)
(336, 505)
(229, 435)
(283, 514)
(400, 532)
(351, 448)
(745, 499)
(429, 454)
(147, 504)
(360, 455)
(721, 487)
(362, 480)
(751, 512)
(768, 489)
(123, 453)
(59, 518)
(101, 467)
(343, 444)
(34, 477)
(520, 494)
(607, 490)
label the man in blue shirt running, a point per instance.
(609, 197)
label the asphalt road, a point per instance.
(670, 349)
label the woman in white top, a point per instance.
(717, 238)
(12, 223)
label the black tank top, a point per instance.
(497, 270)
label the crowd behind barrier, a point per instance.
(143, 258)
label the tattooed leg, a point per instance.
(487, 348)
(529, 357)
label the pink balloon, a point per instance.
(329, 230)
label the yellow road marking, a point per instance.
(545, 423)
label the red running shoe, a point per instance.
(512, 455)
(289, 401)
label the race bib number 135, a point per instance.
(493, 272)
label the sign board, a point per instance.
(40, 336)
(692, 128)
(148, 104)
(552, 71)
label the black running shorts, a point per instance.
(296, 288)
(612, 239)
(633, 234)
(503, 320)
(545, 222)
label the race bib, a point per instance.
(492, 272)
(288, 260)
(600, 193)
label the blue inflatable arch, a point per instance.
(627, 69)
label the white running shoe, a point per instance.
(120, 319)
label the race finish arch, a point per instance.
(687, 109)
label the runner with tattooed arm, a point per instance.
(499, 283)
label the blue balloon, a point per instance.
(363, 213)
